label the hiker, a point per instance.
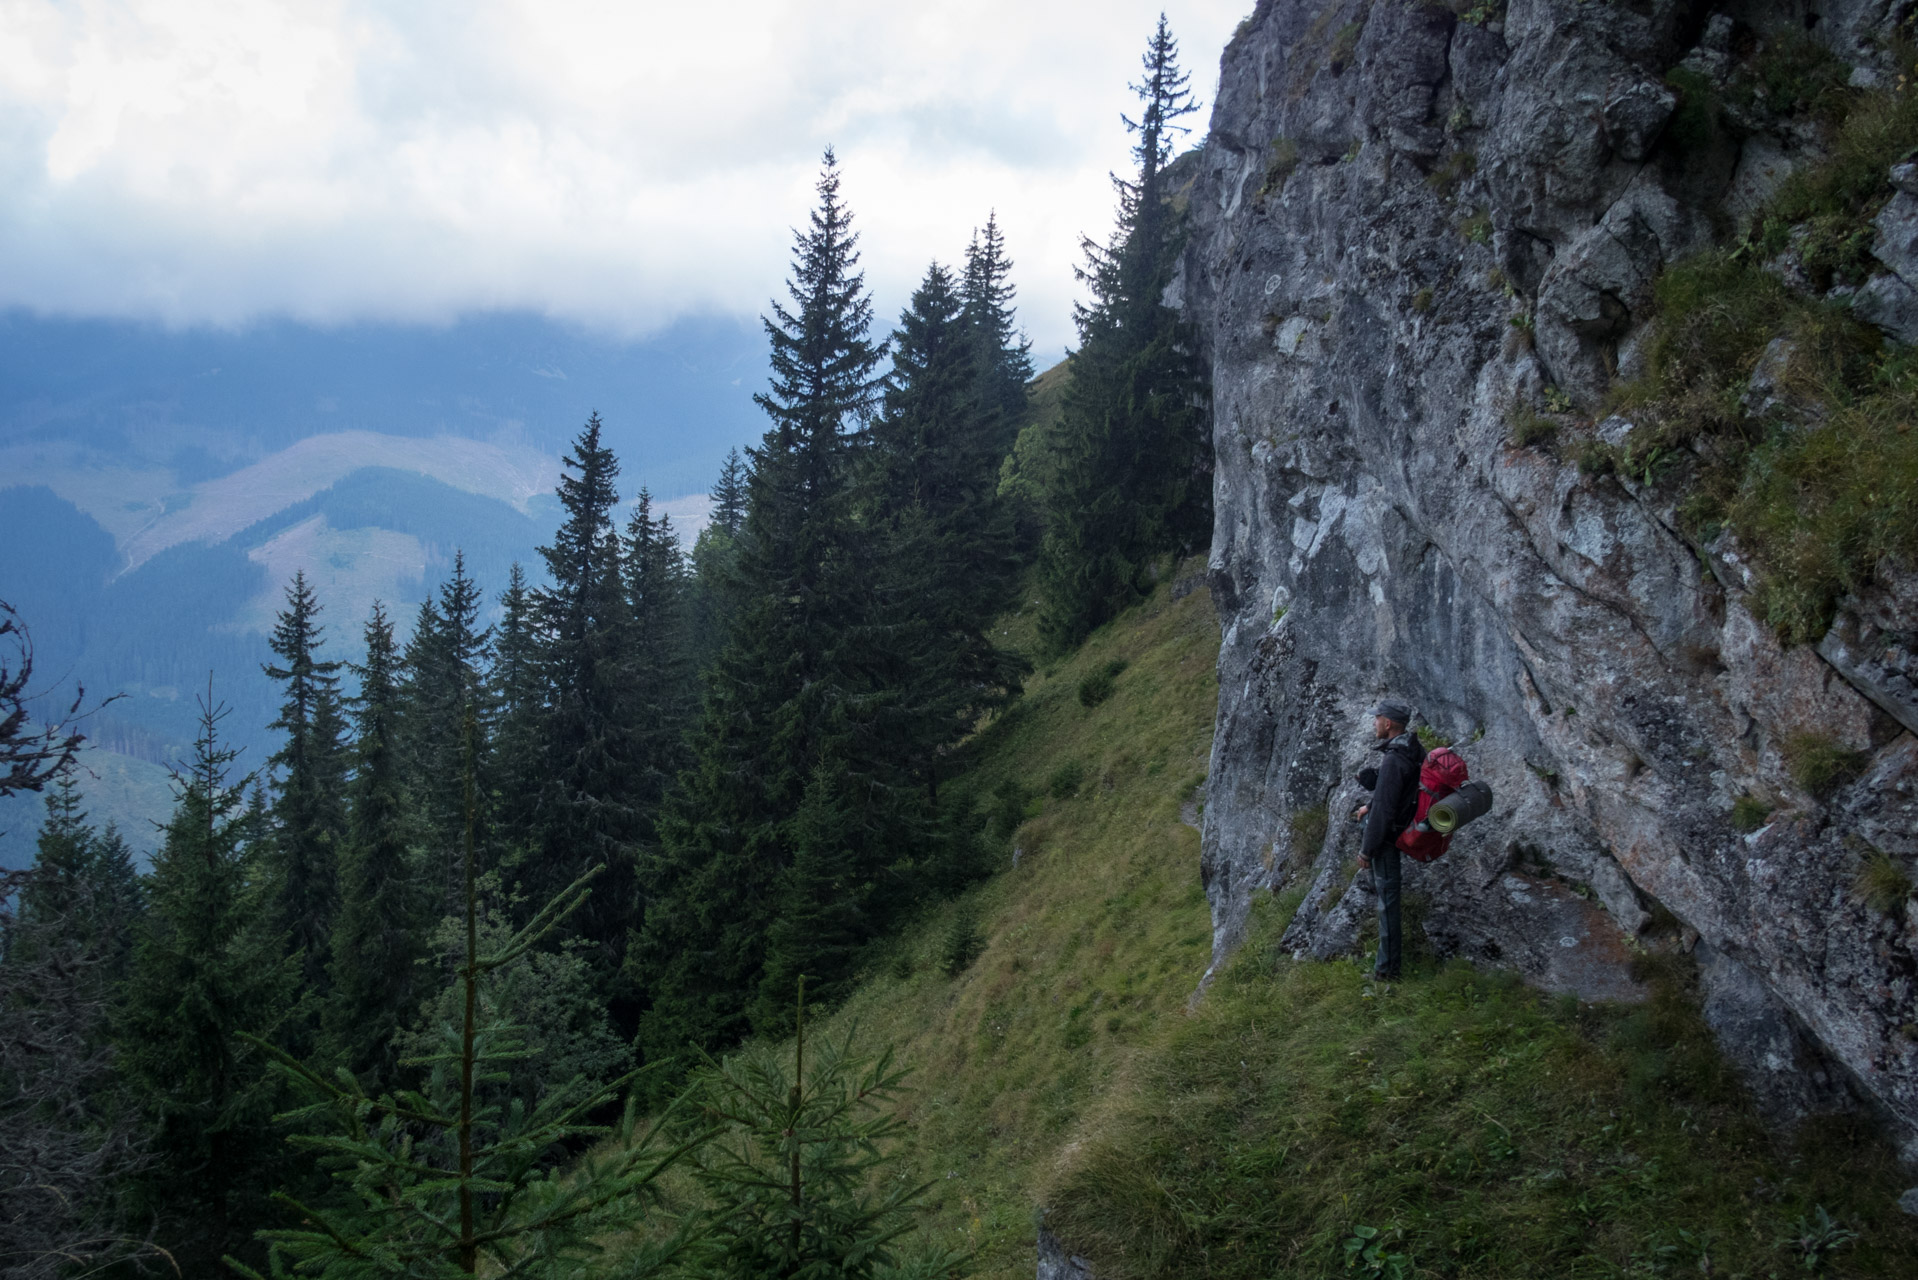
(1395, 796)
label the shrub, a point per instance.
(1820, 764)
(1065, 781)
(1596, 458)
(1694, 125)
(1422, 300)
(1432, 738)
(1098, 686)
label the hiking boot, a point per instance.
(1385, 975)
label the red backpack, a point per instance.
(1442, 773)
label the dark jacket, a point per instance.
(1395, 800)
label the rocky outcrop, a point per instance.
(1472, 208)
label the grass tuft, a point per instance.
(1820, 764)
(1530, 428)
(1884, 883)
(1282, 159)
(1749, 813)
(1098, 686)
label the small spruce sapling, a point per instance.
(437, 1183)
(792, 1178)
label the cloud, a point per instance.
(619, 165)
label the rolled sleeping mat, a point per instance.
(1473, 800)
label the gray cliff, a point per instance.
(1383, 187)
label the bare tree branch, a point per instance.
(31, 754)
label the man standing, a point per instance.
(1395, 799)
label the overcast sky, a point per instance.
(619, 165)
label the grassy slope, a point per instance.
(1094, 941)
(1481, 1128)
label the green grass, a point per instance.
(1091, 946)
(1820, 501)
(1478, 1127)
(1749, 813)
(1281, 160)
(1884, 883)
(1530, 429)
(1821, 765)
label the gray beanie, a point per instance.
(1394, 710)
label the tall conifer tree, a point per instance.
(1004, 356)
(588, 811)
(787, 695)
(208, 964)
(949, 563)
(518, 685)
(309, 813)
(70, 1134)
(1134, 465)
(443, 680)
(730, 494)
(661, 673)
(383, 907)
(715, 591)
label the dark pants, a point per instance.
(1385, 888)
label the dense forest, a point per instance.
(452, 981)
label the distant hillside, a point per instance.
(162, 487)
(156, 632)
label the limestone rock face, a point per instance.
(1477, 213)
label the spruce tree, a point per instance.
(1134, 465)
(518, 686)
(660, 679)
(383, 908)
(70, 1134)
(209, 963)
(730, 494)
(1004, 358)
(949, 562)
(789, 693)
(84, 886)
(444, 1182)
(589, 805)
(715, 592)
(309, 812)
(820, 921)
(443, 679)
(799, 1179)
